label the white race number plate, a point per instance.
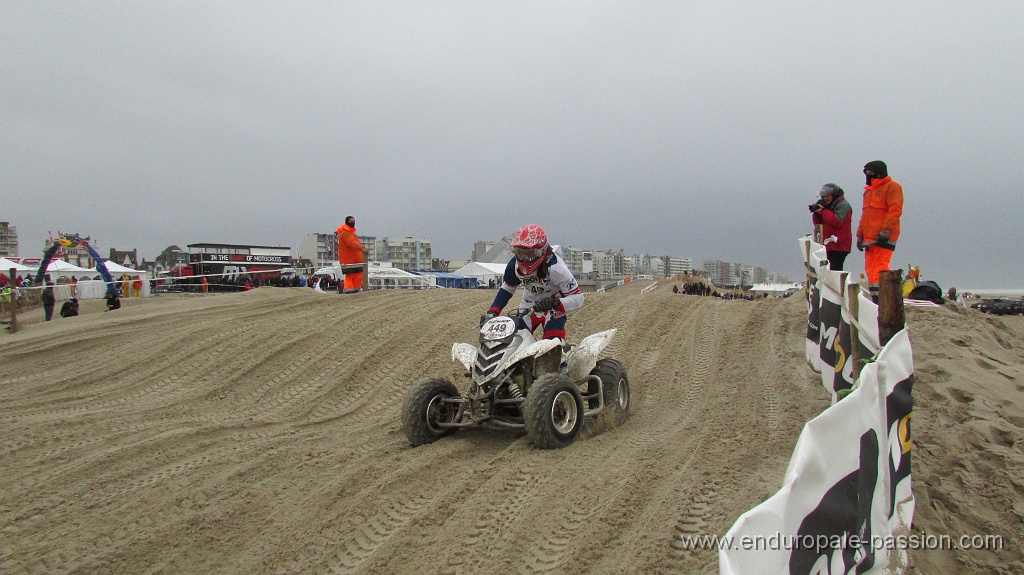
(499, 327)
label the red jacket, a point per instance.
(836, 221)
(883, 206)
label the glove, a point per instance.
(546, 304)
(860, 243)
(487, 317)
(883, 238)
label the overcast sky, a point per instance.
(693, 129)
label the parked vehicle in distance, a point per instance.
(984, 306)
(1002, 306)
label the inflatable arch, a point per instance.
(66, 243)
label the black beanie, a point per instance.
(878, 167)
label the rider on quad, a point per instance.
(551, 289)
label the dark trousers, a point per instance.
(836, 259)
(48, 312)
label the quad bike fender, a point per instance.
(465, 354)
(583, 358)
(535, 349)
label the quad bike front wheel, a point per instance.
(553, 411)
(425, 408)
(615, 388)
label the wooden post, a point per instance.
(890, 305)
(366, 272)
(807, 264)
(15, 324)
(853, 304)
(819, 231)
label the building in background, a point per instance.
(170, 258)
(719, 273)
(479, 249)
(76, 253)
(320, 249)
(125, 258)
(609, 264)
(403, 253)
(755, 275)
(674, 266)
(8, 240)
(726, 274)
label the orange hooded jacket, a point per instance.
(883, 206)
(350, 249)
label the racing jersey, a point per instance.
(558, 282)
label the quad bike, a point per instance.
(543, 386)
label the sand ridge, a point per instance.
(259, 432)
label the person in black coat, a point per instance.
(70, 308)
(49, 301)
(113, 302)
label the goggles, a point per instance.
(527, 254)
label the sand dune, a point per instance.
(259, 433)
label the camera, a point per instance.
(816, 204)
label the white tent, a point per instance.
(63, 268)
(7, 265)
(383, 276)
(483, 273)
(776, 289)
(116, 268)
(98, 288)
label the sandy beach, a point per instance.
(259, 433)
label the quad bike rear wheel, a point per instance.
(553, 411)
(615, 388)
(425, 408)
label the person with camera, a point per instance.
(834, 214)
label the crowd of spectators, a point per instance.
(704, 289)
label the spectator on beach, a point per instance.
(833, 212)
(113, 301)
(70, 308)
(125, 284)
(352, 252)
(49, 301)
(137, 286)
(879, 221)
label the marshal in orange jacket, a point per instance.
(350, 249)
(883, 206)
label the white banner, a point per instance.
(896, 362)
(847, 492)
(814, 255)
(822, 519)
(834, 349)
